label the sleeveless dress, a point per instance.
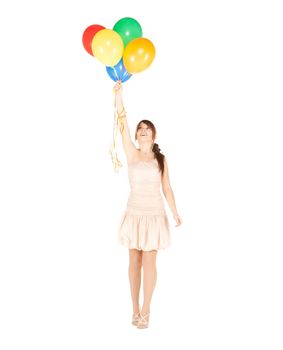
(144, 224)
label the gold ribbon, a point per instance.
(118, 120)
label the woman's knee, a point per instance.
(135, 258)
(149, 259)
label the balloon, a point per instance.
(118, 72)
(88, 35)
(107, 46)
(138, 55)
(128, 29)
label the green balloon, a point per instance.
(128, 29)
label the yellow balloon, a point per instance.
(138, 55)
(107, 46)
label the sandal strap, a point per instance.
(143, 318)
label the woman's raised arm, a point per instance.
(128, 145)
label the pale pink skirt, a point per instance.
(145, 227)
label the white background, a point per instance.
(214, 92)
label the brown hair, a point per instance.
(156, 150)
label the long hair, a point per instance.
(156, 150)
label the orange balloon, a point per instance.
(138, 55)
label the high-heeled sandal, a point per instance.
(135, 319)
(143, 321)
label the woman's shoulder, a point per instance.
(134, 157)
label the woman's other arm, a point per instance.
(169, 195)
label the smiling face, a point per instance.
(144, 133)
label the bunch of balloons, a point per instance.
(122, 49)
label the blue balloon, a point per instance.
(118, 72)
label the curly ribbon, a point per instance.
(118, 120)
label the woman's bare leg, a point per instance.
(149, 278)
(135, 264)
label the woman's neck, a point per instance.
(146, 149)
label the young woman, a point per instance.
(144, 227)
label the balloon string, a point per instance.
(118, 120)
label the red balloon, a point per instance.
(88, 35)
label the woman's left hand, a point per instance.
(178, 220)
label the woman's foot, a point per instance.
(135, 318)
(143, 321)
